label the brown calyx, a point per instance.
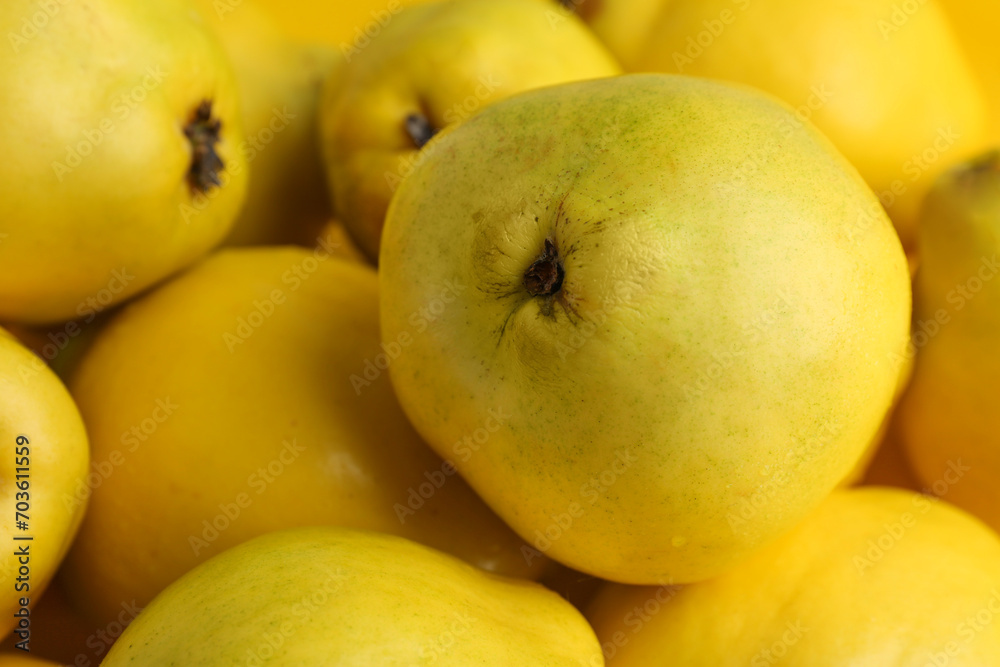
(545, 276)
(203, 132)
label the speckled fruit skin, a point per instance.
(875, 577)
(718, 355)
(328, 596)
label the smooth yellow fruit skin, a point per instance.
(280, 82)
(24, 661)
(623, 25)
(905, 365)
(335, 236)
(445, 61)
(948, 419)
(330, 596)
(341, 23)
(874, 578)
(35, 405)
(114, 81)
(976, 23)
(345, 24)
(727, 330)
(235, 404)
(900, 102)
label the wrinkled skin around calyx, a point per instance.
(683, 308)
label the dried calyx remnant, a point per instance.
(419, 127)
(545, 276)
(203, 133)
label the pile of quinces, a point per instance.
(500, 332)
